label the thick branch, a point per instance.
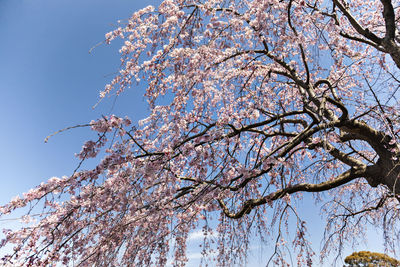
(364, 32)
(337, 154)
(388, 14)
(376, 139)
(342, 179)
(389, 41)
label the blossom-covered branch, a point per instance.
(253, 104)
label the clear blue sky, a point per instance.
(49, 81)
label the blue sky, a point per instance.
(49, 81)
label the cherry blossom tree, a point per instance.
(254, 104)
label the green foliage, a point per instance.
(370, 259)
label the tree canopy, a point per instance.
(370, 259)
(253, 105)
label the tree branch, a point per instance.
(364, 32)
(347, 176)
(388, 14)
